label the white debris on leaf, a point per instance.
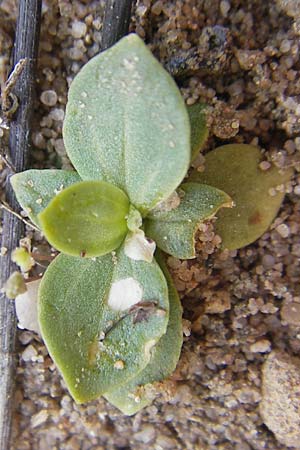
(169, 204)
(138, 247)
(148, 347)
(26, 308)
(124, 293)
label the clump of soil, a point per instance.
(242, 308)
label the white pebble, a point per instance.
(262, 346)
(283, 230)
(79, 29)
(297, 189)
(39, 418)
(29, 353)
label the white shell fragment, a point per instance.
(26, 308)
(124, 293)
(138, 247)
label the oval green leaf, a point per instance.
(100, 319)
(86, 219)
(134, 395)
(34, 189)
(199, 129)
(235, 169)
(126, 113)
(174, 230)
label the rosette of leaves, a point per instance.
(108, 312)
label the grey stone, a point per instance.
(280, 405)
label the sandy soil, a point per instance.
(238, 381)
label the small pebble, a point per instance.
(224, 8)
(290, 313)
(79, 29)
(25, 337)
(3, 251)
(29, 353)
(297, 189)
(265, 165)
(186, 327)
(285, 46)
(38, 140)
(146, 435)
(262, 346)
(280, 406)
(219, 303)
(49, 98)
(57, 114)
(157, 8)
(283, 230)
(268, 261)
(39, 418)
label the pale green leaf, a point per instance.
(173, 230)
(86, 219)
(22, 257)
(96, 335)
(34, 189)
(199, 129)
(134, 395)
(126, 123)
(15, 285)
(235, 169)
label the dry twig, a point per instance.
(22, 87)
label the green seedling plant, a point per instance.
(107, 308)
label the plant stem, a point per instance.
(26, 45)
(116, 21)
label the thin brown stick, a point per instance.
(7, 208)
(8, 164)
(26, 45)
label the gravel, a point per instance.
(280, 405)
(236, 385)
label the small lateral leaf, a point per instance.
(199, 129)
(34, 189)
(174, 230)
(126, 110)
(98, 348)
(134, 395)
(235, 169)
(86, 219)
